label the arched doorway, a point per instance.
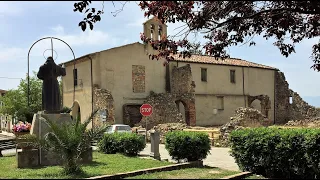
(76, 111)
(256, 104)
(181, 108)
(261, 103)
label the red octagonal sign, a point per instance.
(146, 110)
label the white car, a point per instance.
(119, 128)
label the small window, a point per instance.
(160, 32)
(232, 76)
(204, 74)
(220, 103)
(290, 100)
(152, 31)
(75, 77)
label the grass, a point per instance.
(103, 164)
(189, 173)
(255, 177)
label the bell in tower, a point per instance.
(155, 30)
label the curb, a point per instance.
(238, 176)
(150, 170)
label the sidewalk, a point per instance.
(218, 157)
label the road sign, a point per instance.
(146, 110)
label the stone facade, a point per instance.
(165, 109)
(138, 78)
(181, 81)
(103, 100)
(298, 109)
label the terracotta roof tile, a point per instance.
(229, 61)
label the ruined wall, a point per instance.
(103, 100)
(165, 109)
(299, 109)
(181, 80)
(164, 105)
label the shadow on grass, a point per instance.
(94, 163)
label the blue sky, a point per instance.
(22, 23)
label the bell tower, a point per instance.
(154, 29)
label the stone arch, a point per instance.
(76, 110)
(265, 103)
(189, 110)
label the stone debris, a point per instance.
(312, 122)
(244, 117)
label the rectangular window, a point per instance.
(204, 74)
(232, 76)
(220, 103)
(75, 77)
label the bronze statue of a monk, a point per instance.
(48, 73)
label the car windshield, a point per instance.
(123, 128)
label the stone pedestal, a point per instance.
(40, 127)
(155, 141)
(27, 159)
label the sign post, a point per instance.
(146, 110)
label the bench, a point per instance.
(213, 134)
(7, 144)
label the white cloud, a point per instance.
(58, 29)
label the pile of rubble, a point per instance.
(244, 117)
(312, 122)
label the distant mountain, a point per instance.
(312, 100)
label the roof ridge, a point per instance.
(245, 63)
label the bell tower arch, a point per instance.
(154, 29)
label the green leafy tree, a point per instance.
(227, 23)
(15, 100)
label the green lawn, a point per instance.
(256, 177)
(103, 164)
(189, 173)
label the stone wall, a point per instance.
(299, 109)
(181, 80)
(103, 100)
(164, 110)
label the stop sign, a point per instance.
(146, 110)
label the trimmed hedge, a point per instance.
(129, 144)
(187, 145)
(278, 153)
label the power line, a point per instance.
(9, 78)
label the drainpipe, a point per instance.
(91, 86)
(243, 92)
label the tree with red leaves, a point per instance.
(229, 23)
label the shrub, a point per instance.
(277, 153)
(187, 145)
(108, 144)
(129, 144)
